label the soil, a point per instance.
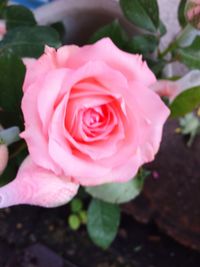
(171, 195)
(38, 237)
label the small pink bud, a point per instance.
(2, 28)
(155, 174)
(192, 13)
(3, 157)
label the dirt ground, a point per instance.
(37, 237)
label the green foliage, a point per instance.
(60, 28)
(76, 205)
(142, 44)
(29, 41)
(8, 119)
(114, 31)
(156, 65)
(190, 125)
(190, 55)
(12, 72)
(9, 173)
(10, 135)
(118, 192)
(142, 13)
(74, 222)
(3, 4)
(16, 16)
(17, 152)
(78, 215)
(83, 216)
(103, 222)
(181, 13)
(162, 28)
(185, 102)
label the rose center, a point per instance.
(93, 117)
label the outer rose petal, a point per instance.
(33, 134)
(28, 61)
(106, 51)
(150, 121)
(37, 186)
(50, 60)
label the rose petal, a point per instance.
(28, 62)
(52, 85)
(106, 51)
(33, 133)
(37, 186)
(52, 59)
(150, 120)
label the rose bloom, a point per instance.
(90, 119)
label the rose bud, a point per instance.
(2, 29)
(3, 157)
(192, 13)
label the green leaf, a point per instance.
(74, 222)
(118, 192)
(29, 41)
(190, 55)
(114, 31)
(190, 126)
(9, 173)
(10, 135)
(8, 119)
(16, 16)
(156, 66)
(189, 123)
(3, 4)
(186, 37)
(60, 28)
(12, 72)
(162, 28)
(83, 216)
(142, 13)
(185, 102)
(103, 222)
(181, 13)
(76, 205)
(142, 44)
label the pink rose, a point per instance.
(2, 28)
(90, 118)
